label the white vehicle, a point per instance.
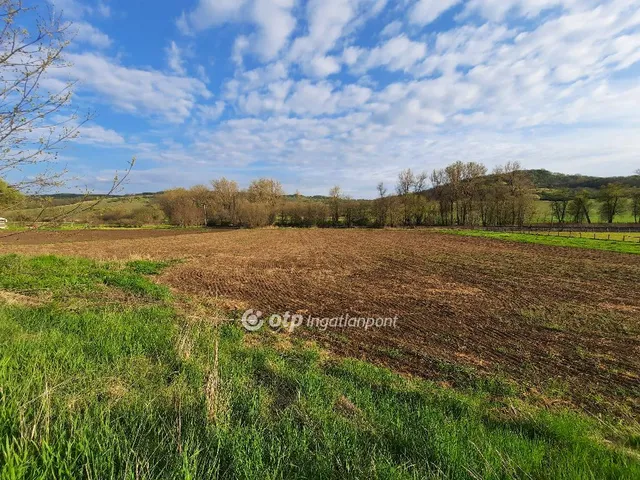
(3, 223)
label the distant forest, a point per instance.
(544, 179)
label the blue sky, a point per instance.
(322, 92)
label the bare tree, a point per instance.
(406, 180)
(440, 193)
(179, 207)
(35, 122)
(559, 206)
(225, 196)
(404, 187)
(202, 197)
(381, 205)
(335, 195)
(265, 190)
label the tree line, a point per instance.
(609, 202)
(461, 194)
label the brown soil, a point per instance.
(42, 237)
(542, 316)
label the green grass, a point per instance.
(60, 276)
(135, 390)
(553, 240)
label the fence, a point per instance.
(625, 233)
(592, 228)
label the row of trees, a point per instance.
(610, 201)
(460, 194)
(463, 194)
(223, 203)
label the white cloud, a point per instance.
(497, 10)
(209, 13)
(275, 24)
(71, 8)
(240, 46)
(86, 34)
(104, 9)
(201, 72)
(211, 112)
(77, 9)
(272, 18)
(174, 58)
(95, 134)
(323, 66)
(398, 53)
(426, 11)
(312, 99)
(350, 55)
(392, 29)
(327, 23)
(182, 23)
(135, 90)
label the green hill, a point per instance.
(546, 179)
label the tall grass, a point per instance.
(134, 390)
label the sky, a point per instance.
(316, 93)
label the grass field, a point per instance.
(125, 211)
(543, 213)
(509, 360)
(611, 242)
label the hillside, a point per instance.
(545, 179)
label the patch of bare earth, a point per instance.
(11, 298)
(461, 300)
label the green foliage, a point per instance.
(8, 196)
(580, 208)
(134, 391)
(612, 201)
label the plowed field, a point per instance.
(554, 319)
